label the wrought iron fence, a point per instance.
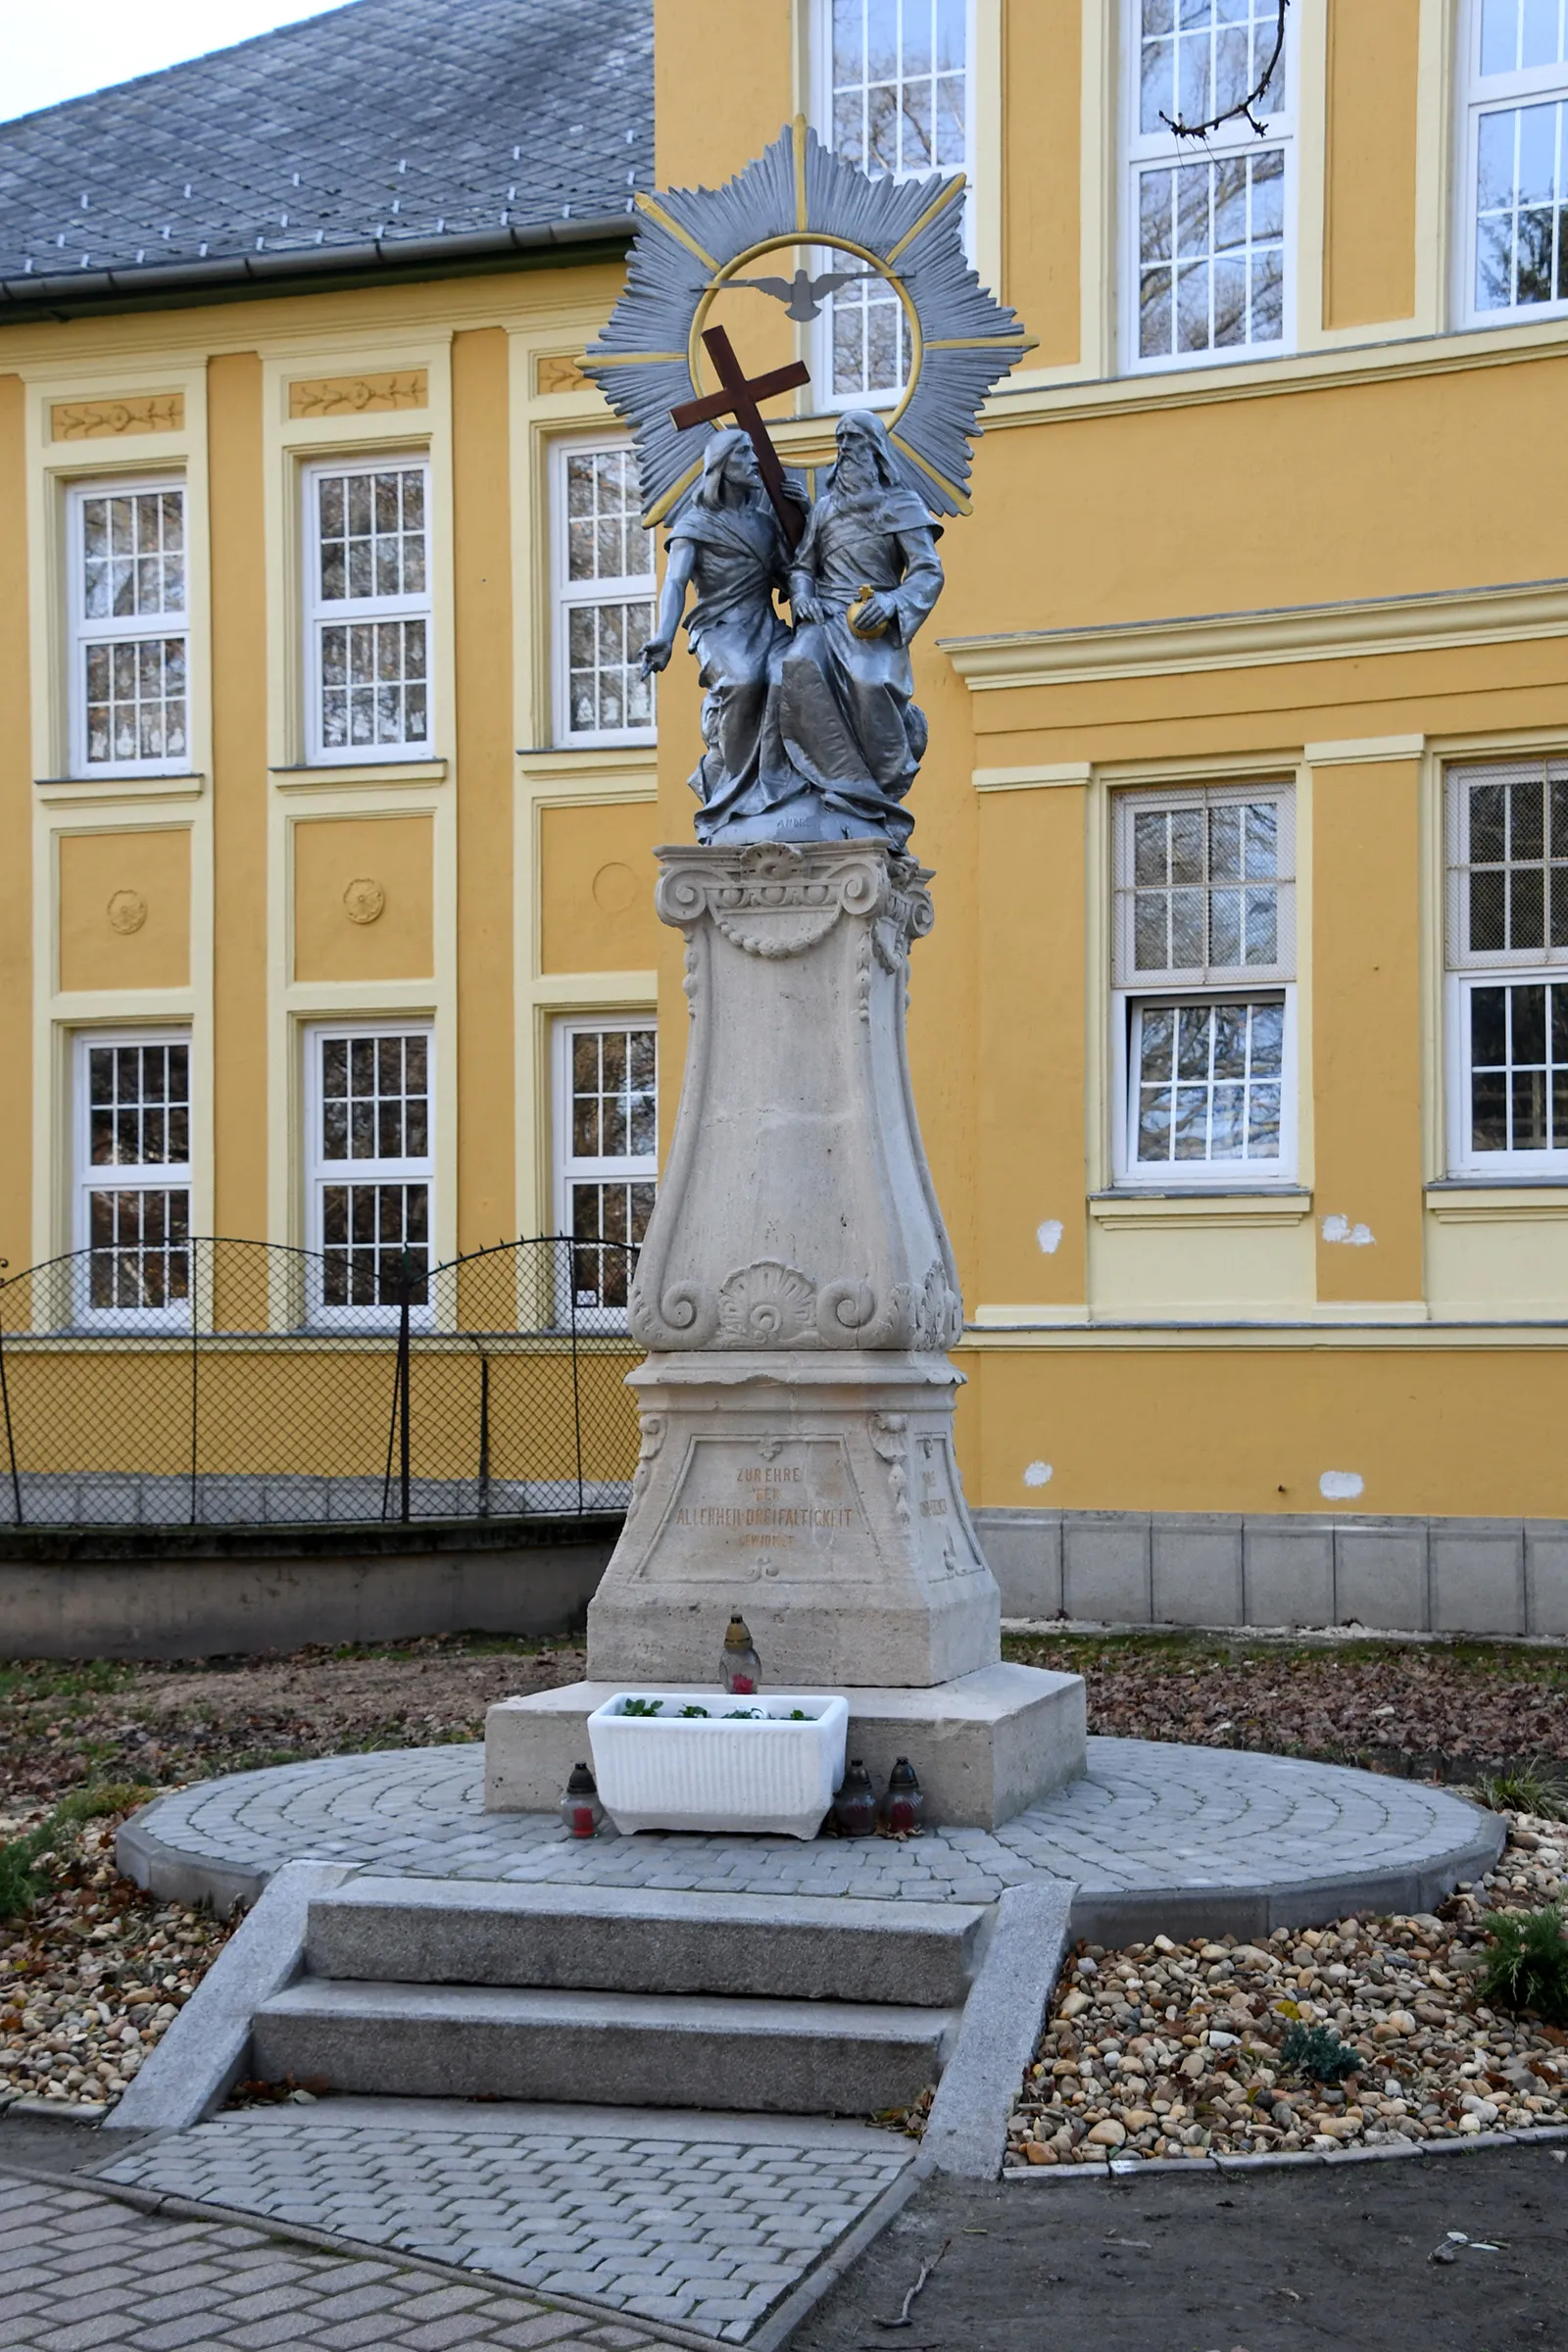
(203, 1382)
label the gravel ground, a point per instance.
(1168, 2049)
(91, 1977)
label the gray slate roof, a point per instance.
(387, 133)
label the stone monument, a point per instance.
(797, 1292)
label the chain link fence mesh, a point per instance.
(241, 1384)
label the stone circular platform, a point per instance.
(1155, 1837)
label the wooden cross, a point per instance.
(739, 399)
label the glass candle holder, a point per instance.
(902, 1806)
(854, 1806)
(580, 1808)
(740, 1668)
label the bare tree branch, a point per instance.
(1241, 110)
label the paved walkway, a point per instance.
(1149, 1825)
(84, 2272)
(703, 2223)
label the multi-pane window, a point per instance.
(1516, 162)
(1207, 220)
(1203, 960)
(895, 99)
(1507, 953)
(371, 1166)
(607, 1146)
(133, 1137)
(604, 588)
(129, 695)
(367, 608)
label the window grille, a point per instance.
(1203, 952)
(894, 77)
(129, 688)
(1206, 887)
(368, 598)
(1507, 934)
(133, 1137)
(1516, 163)
(372, 1165)
(1508, 865)
(605, 589)
(1208, 224)
(607, 1131)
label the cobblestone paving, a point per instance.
(85, 2274)
(1146, 1815)
(705, 2234)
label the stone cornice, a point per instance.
(1432, 623)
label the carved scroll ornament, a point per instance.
(771, 1305)
(787, 901)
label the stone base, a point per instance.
(984, 1747)
(818, 1493)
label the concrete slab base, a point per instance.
(986, 1746)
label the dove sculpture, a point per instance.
(803, 295)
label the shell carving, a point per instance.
(767, 1305)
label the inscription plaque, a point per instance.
(785, 1507)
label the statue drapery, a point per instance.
(810, 731)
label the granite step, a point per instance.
(625, 2049)
(625, 1939)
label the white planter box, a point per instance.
(666, 1772)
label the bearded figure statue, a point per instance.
(864, 578)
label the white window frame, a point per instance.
(319, 1171)
(1501, 968)
(1253, 984)
(116, 629)
(1500, 92)
(566, 594)
(819, 337)
(146, 1176)
(1142, 150)
(568, 1169)
(319, 613)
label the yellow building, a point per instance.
(1242, 1041)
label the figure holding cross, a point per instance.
(743, 401)
(810, 731)
(727, 542)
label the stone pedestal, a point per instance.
(818, 1494)
(984, 1745)
(797, 1296)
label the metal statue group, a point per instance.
(810, 731)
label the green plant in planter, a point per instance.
(1317, 2054)
(1525, 1965)
(643, 1706)
(687, 1713)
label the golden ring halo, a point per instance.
(794, 238)
(798, 193)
